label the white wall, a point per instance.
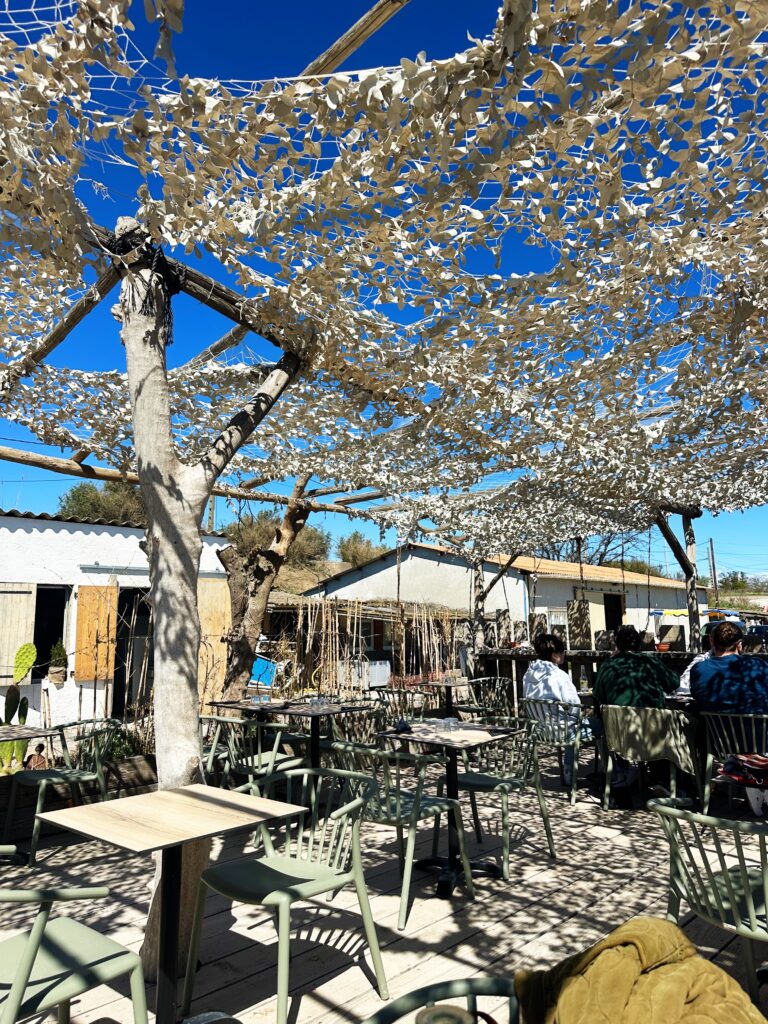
(42, 551)
(78, 554)
(428, 577)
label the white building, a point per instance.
(423, 573)
(86, 584)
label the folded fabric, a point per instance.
(644, 972)
(747, 769)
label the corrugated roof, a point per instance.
(540, 566)
(14, 513)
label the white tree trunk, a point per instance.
(175, 496)
(174, 501)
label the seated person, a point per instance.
(730, 681)
(631, 678)
(544, 679)
(684, 688)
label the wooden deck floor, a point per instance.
(611, 866)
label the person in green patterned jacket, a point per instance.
(631, 678)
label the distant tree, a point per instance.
(252, 534)
(734, 581)
(642, 566)
(117, 501)
(357, 549)
(607, 549)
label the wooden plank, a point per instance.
(96, 634)
(17, 623)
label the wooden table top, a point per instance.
(9, 733)
(464, 736)
(168, 817)
(295, 708)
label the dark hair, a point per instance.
(627, 638)
(547, 644)
(725, 636)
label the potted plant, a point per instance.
(57, 663)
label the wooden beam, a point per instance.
(500, 574)
(69, 467)
(688, 565)
(211, 293)
(233, 337)
(675, 508)
(353, 38)
(77, 312)
(80, 455)
(674, 545)
(355, 499)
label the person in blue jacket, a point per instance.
(729, 681)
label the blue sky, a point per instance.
(250, 41)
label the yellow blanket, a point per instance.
(644, 972)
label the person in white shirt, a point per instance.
(684, 689)
(544, 679)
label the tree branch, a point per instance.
(502, 572)
(241, 426)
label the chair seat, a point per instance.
(487, 783)
(723, 883)
(429, 806)
(72, 959)
(65, 775)
(272, 879)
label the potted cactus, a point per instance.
(15, 704)
(57, 663)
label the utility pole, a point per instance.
(713, 572)
(212, 513)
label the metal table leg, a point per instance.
(168, 953)
(314, 741)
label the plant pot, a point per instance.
(57, 675)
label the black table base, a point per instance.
(452, 873)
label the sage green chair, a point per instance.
(319, 853)
(561, 726)
(469, 989)
(57, 960)
(720, 868)
(91, 742)
(399, 800)
(730, 734)
(404, 703)
(214, 749)
(254, 750)
(362, 727)
(490, 696)
(505, 768)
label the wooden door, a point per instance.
(17, 623)
(96, 634)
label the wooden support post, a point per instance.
(694, 619)
(478, 605)
(688, 565)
